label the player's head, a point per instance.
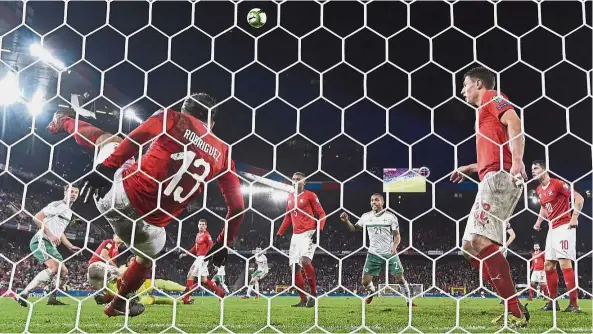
(298, 178)
(476, 81)
(71, 193)
(130, 259)
(377, 202)
(198, 105)
(258, 250)
(536, 247)
(117, 240)
(539, 170)
(202, 225)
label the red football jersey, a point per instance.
(490, 130)
(537, 262)
(186, 157)
(202, 244)
(109, 245)
(555, 199)
(302, 219)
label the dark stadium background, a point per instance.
(398, 104)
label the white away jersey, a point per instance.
(380, 231)
(220, 271)
(57, 217)
(262, 262)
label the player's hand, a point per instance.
(344, 217)
(74, 249)
(574, 223)
(458, 175)
(278, 238)
(182, 255)
(518, 171)
(98, 181)
(393, 250)
(537, 226)
(56, 241)
(218, 258)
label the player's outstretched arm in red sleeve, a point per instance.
(314, 201)
(285, 222)
(231, 191)
(129, 147)
(194, 249)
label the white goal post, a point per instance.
(397, 290)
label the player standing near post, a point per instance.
(299, 212)
(260, 272)
(498, 193)
(189, 155)
(538, 276)
(99, 270)
(554, 198)
(51, 223)
(220, 278)
(199, 268)
(384, 238)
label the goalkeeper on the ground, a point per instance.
(383, 231)
(144, 291)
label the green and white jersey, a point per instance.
(58, 216)
(262, 262)
(220, 271)
(380, 229)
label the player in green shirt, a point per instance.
(383, 231)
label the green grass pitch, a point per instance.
(336, 314)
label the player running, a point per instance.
(260, 272)
(498, 192)
(384, 238)
(102, 266)
(199, 268)
(183, 159)
(538, 276)
(220, 278)
(554, 198)
(299, 208)
(51, 223)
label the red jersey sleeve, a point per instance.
(194, 249)
(129, 147)
(495, 104)
(230, 187)
(316, 205)
(285, 222)
(563, 188)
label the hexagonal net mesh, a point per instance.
(295, 166)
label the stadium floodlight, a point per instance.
(9, 89)
(43, 54)
(35, 106)
(279, 196)
(130, 114)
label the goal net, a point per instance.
(355, 98)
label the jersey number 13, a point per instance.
(189, 160)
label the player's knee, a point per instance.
(305, 261)
(480, 242)
(565, 264)
(468, 249)
(399, 278)
(549, 265)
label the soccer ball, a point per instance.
(256, 18)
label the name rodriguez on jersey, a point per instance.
(202, 145)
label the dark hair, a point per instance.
(380, 195)
(540, 163)
(66, 187)
(203, 220)
(198, 105)
(483, 74)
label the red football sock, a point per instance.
(568, 275)
(544, 288)
(107, 298)
(300, 283)
(311, 278)
(552, 280)
(476, 264)
(500, 273)
(188, 286)
(86, 135)
(132, 279)
(214, 288)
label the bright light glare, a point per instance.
(534, 199)
(9, 89)
(41, 53)
(35, 106)
(275, 195)
(279, 196)
(130, 114)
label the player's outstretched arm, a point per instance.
(285, 222)
(542, 215)
(396, 241)
(319, 210)
(578, 206)
(346, 220)
(460, 173)
(511, 238)
(68, 244)
(517, 144)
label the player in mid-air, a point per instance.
(538, 276)
(180, 162)
(199, 268)
(102, 266)
(554, 197)
(51, 223)
(260, 272)
(300, 208)
(384, 238)
(498, 134)
(220, 278)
